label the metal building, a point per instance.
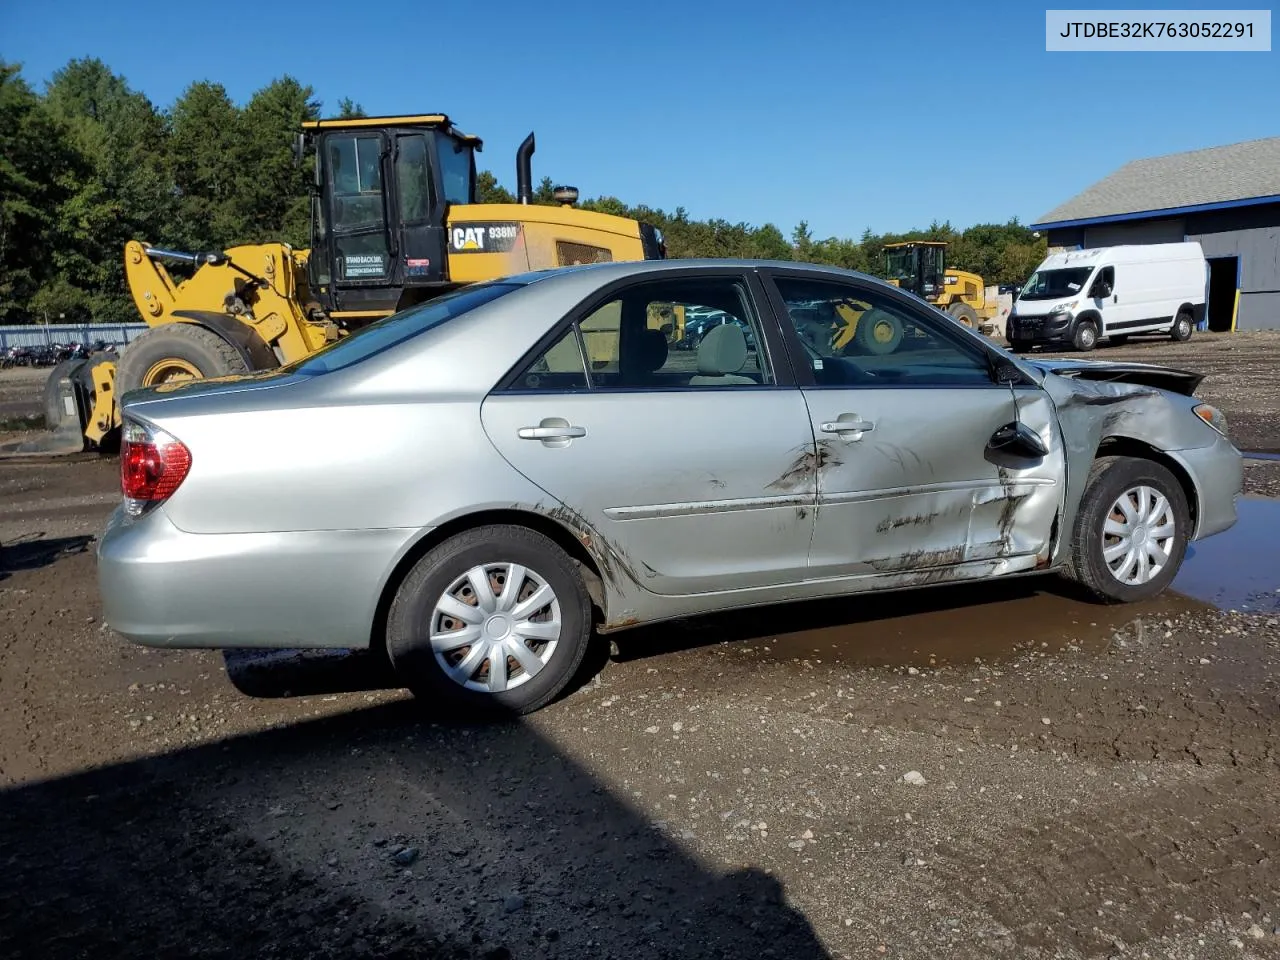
(1227, 198)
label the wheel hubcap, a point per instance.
(169, 370)
(495, 627)
(1137, 536)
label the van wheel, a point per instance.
(1130, 533)
(495, 620)
(1085, 337)
(1182, 327)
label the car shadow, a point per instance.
(368, 834)
(32, 551)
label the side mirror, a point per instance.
(1006, 373)
(1100, 291)
(1017, 440)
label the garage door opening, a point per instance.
(1222, 293)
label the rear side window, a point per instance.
(399, 327)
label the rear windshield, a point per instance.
(399, 327)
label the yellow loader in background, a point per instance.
(920, 267)
(394, 222)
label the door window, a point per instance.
(358, 223)
(1105, 282)
(413, 178)
(662, 335)
(853, 336)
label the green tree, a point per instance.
(207, 149)
(349, 110)
(273, 187)
(35, 160)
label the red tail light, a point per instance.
(152, 465)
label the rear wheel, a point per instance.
(1130, 534)
(964, 314)
(494, 620)
(1182, 327)
(1086, 336)
(176, 352)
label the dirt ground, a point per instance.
(1003, 771)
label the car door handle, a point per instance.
(551, 433)
(848, 426)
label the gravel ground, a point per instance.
(1004, 771)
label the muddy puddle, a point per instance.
(954, 624)
(1238, 569)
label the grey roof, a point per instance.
(1238, 171)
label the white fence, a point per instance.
(39, 334)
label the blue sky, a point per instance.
(844, 114)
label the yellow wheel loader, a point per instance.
(920, 267)
(394, 222)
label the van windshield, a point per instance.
(1055, 284)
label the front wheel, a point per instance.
(1130, 534)
(494, 620)
(1182, 327)
(963, 314)
(1085, 337)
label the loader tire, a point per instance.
(174, 352)
(964, 314)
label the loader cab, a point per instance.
(383, 186)
(917, 266)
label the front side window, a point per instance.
(853, 336)
(413, 178)
(456, 170)
(661, 335)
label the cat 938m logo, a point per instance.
(483, 237)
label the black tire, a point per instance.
(54, 412)
(413, 612)
(878, 333)
(963, 313)
(1109, 478)
(196, 347)
(1183, 325)
(1086, 336)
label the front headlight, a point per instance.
(1212, 416)
(1067, 307)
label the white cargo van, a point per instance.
(1079, 296)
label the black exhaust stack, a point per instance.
(524, 170)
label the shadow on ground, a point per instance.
(289, 843)
(31, 552)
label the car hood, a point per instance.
(1172, 379)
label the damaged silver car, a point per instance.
(478, 483)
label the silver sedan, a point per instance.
(477, 484)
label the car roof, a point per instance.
(600, 273)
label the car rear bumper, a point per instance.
(1218, 474)
(164, 587)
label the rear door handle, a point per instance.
(551, 433)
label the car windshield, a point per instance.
(397, 328)
(1053, 284)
